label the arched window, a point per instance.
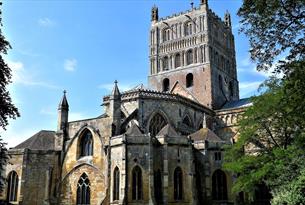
(189, 57)
(187, 121)
(219, 185)
(231, 89)
(165, 85)
(86, 144)
(165, 63)
(178, 189)
(189, 80)
(188, 28)
(220, 81)
(156, 124)
(12, 188)
(177, 60)
(137, 193)
(166, 34)
(158, 186)
(116, 184)
(83, 190)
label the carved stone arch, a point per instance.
(78, 134)
(151, 119)
(80, 165)
(227, 119)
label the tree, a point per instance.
(7, 109)
(271, 143)
(274, 28)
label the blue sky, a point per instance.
(83, 46)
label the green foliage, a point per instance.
(7, 109)
(270, 147)
(274, 27)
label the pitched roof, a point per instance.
(168, 130)
(134, 130)
(245, 102)
(205, 134)
(43, 140)
(183, 91)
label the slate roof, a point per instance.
(245, 102)
(168, 130)
(43, 140)
(205, 134)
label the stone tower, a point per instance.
(196, 49)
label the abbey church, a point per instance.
(160, 144)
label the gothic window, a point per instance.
(166, 34)
(178, 184)
(189, 80)
(12, 188)
(156, 124)
(217, 156)
(86, 144)
(158, 186)
(189, 57)
(83, 190)
(219, 185)
(165, 63)
(231, 89)
(188, 28)
(165, 85)
(177, 60)
(187, 121)
(220, 81)
(137, 193)
(116, 184)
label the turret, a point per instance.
(204, 2)
(154, 14)
(63, 112)
(115, 109)
(228, 19)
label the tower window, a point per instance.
(178, 184)
(165, 85)
(220, 81)
(86, 144)
(219, 185)
(83, 190)
(189, 80)
(12, 188)
(188, 28)
(116, 184)
(166, 34)
(177, 60)
(137, 193)
(165, 63)
(189, 57)
(231, 89)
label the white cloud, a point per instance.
(21, 76)
(70, 64)
(46, 22)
